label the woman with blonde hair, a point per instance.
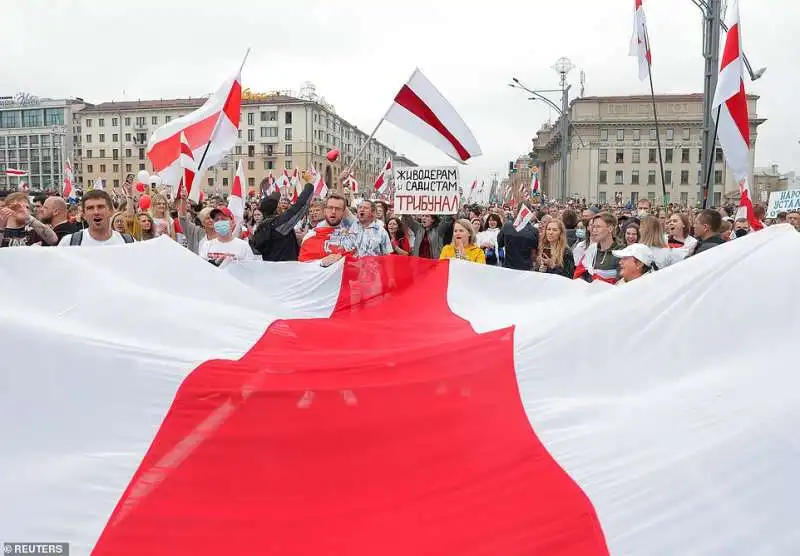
(652, 235)
(463, 245)
(146, 227)
(555, 256)
(159, 213)
(125, 223)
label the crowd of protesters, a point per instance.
(575, 240)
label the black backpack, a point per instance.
(77, 238)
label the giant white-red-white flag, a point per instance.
(382, 182)
(640, 42)
(215, 126)
(730, 109)
(420, 109)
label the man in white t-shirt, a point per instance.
(96, 205)
(225, 248)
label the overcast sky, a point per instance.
(358, 54)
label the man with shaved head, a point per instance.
(55, 214)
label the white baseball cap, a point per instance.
(638, 251)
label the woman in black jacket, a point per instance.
(555, 257)
(275, 239)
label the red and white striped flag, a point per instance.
(535, 183)
(382, 182)
(213, 126)
(23, 186)
(640, 42)
(68, 191)
(524, 217)
(730, 102)
(420, 109)
(185, 185)
(236, 198)
(12, 172)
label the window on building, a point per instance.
(115, 137)
(89, 168)
(651, 196)
(154, 120)
(668, 156)
(238, 149)
(717, 198)
(269, 165)
(651, 177)
(602, 197)
(684, 177)
(251, 150)
(115, 168)
(684, 198)
(141, 166)
(288, 151)
(116, 183)
(718, 156)
(287, 134)
(653, 134)
(251, 164)
(603, 156)
(101, 122)
(687, 134)
(128, 168)
(102, 138)
(636, 155)
(634, 197)
(619, 157)
(667, 177)
(620, 134)
(102, 168)
(288, 118)
(700, 177)
(239, 133)
(128, 153)
(251, 182)
(102, 153)
(115, 154)
(128, 137)
(211, 182)
(684, 156)
(88, 138)
(670, 134)
(251, 118)
(88, 122)
(700, 155)
(167, 119)
(88, 153)
(698, 196)
(127, 121)
(652, 156)
(268, 149)
(251, 134)
(619, 177)
(636, 135)
(287, 164)
(141, 154)
(224, 182)
(604, 134)
(269, 132)
(635, 177)
(140, 121)
(717, 177)
(114, 122)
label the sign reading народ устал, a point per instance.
(426, 190)
(783, 201)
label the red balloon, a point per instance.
(139, 187)
(202, 196)
(333, 154)
(144, 202)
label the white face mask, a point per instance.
(642, 213)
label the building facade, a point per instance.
(38, 135)
(613, 151)
(277, 131)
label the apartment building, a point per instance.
(37, 135)
(613, 151)
(277, 131)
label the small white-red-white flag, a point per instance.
(15, 172)
(382, 182)
(23, 186)
(524, 217)
(68, 191)
(236, 198)
(472, 190)
(188, 168)
(733, 121)
(214, 126)
(320, 187)
(640, 42)
(351, 182)
(534, 183)
(420, 109)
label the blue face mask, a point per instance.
(222, 227)
(580, 233)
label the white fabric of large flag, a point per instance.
(420, 109)
(182, 439)
(640, 42)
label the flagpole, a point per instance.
(655, 119)
(710, 157)
(219, 120)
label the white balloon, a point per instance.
(155, 179)
(143, 176)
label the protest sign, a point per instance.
(783, 201)
(426, 190)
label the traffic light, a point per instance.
(511, 167)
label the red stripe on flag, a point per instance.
(233, 104)
(166, 152)
(409, 100)
(303, 455)
(737, 106)
(732, 49)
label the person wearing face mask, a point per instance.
(225, 248)
(643, 208)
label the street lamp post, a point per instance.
(563, 66)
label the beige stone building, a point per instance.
(614, 155)
(277, 131)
